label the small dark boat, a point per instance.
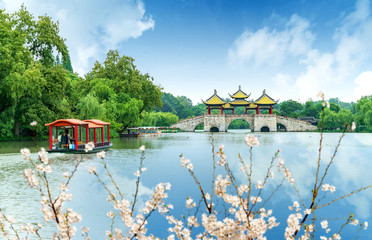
(144, 131)
(76, 136)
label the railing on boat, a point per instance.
(99, 144)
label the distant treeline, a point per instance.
(335, 117)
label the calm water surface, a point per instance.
(351, 171)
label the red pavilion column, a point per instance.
(95, 137)
(258, 109)
(76, 137)
(221, 110)
(209, 110)
(103, 138)
(50, 137)
(245, 111)
(233, 110)
(87, 134)
(108, 133)
(271, 109)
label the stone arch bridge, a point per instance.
(257, 123)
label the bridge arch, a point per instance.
(239, 124)
(247, 118)
(265, 129)
(281, 127)
(214, 129)
(199, 127)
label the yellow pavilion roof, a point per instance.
(240, 102)
(252, 105)
(265, 99)
(214, 100)
(227, 105)
(239, 94)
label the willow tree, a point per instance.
(123, 89)
(31, 86)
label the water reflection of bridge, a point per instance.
(257, 123)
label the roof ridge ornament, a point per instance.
(215, 91)
(264, 91)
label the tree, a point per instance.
(124, 90)
(311, 109)
(68, 65)
(290, 108)
(32, 88)
(159, 119)
(363, 115)
(15, 59)
(42, 36)
(89, 107)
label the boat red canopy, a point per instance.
(66, 122)
(96, 121)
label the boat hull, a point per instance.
(80, 151)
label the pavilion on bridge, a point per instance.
(240, 100)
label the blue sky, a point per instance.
(293, 49)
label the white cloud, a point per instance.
(333, 72)
(299, 67)
(91, 27)
(271, 46)
(364, 85)
(282, 79)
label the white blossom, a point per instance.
(34, 123)
(110, 214)
(354, 222)
(25, 153)
(251, 140)
(101, 155)
(142, 148)
(353, 126)
(259, 184)
(89, 146)
(92, 169)
(324, 224)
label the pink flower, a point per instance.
(92, 169)
(101, 155)
(251, 140)
(353, 126)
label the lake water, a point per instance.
(351, 171)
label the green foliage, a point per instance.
(239, 124)
(290, 108)
(31, 87)
(89, 108)
(159, 119)
(363, 115)
(181, 106)
(42, 36)
(311, 109)
(68, 65)
(124, 92)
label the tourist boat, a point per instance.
(79, 134)
(144, 131)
